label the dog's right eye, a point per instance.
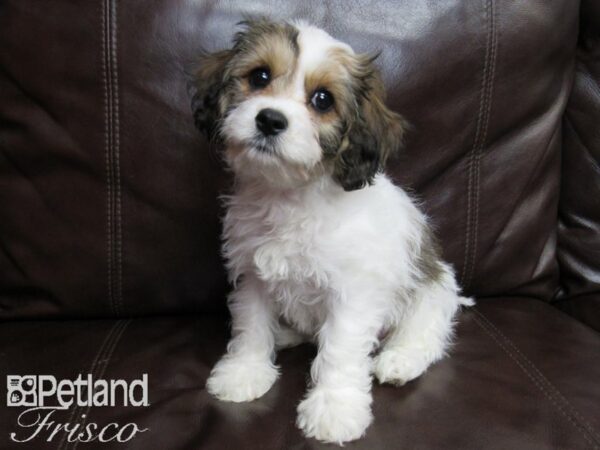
(259, 78)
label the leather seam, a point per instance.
(102, 365)
(486, 123)
(538, 379)
(112, 149)
(108, 158)
(474, 162)
(542, 377)
(117, 145)
(63, 443)
(471, 157)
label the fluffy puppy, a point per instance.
(318, 242)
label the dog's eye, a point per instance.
(259, 78)
(322, 100)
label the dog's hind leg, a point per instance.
(424, 333)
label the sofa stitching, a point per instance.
(543, 379)
(76, 415)
(62, 444)
(471, 157)
(112, 144)
(107, 133)
(534, 380)
(588, 435)
(471, 162)
(103, 364)
(117, 149)
(486, 122)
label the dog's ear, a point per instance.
(372, 134)
(209, 82)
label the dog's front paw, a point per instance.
(235, 379)
(335, 415)
(398, 367)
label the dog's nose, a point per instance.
(270, 122)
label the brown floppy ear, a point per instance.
(372, 134)
(209, 84)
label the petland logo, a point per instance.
(43, 395)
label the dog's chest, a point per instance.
(280, 245)
(288, 252)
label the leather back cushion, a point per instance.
(109, 196)
(579, 224)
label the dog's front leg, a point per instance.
(338, 406)
(247, 371)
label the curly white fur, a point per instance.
(338, 267)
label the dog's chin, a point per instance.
(262, 161)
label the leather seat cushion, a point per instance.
(521, 375)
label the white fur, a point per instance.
(310, 261)
(298, 151)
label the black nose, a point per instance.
(270, 122)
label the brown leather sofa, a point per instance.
(109, 216)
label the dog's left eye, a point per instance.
(259, 78)
(322, 100)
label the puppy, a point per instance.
(319, 244)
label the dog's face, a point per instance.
(291, 103)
